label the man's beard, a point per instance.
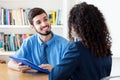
(44, 34)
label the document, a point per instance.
(30, 64)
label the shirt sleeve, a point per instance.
(21, 53)
(67, 65)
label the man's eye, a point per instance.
(38, 22)
(46, 19)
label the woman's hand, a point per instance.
(46, 66)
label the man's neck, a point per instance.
(45, 38)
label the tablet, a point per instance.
(29, 63)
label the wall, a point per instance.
(115, 67)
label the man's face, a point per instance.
(42, 24)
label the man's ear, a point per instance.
(32, 26)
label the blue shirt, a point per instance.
(31, 49)
(79, 64)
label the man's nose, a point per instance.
(43, 23)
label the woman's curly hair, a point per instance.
(89, 24)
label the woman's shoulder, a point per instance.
(75, 44)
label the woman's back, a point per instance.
(91, 67)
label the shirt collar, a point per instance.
(48, 42)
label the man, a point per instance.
(31, 48)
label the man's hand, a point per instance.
(25, 68)
(46, 66)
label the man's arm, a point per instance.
(19, 67)
(13, 65)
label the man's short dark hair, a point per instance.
(34, 12)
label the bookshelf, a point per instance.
(63, 5)
(25, 29)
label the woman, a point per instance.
(90, 57)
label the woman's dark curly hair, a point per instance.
(89, 23)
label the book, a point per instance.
(29, 63)
(1, 39)
(52, 17)
(6, 45)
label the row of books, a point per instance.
(55, 17)
(19, 16)
(12, 42)
(14, 16)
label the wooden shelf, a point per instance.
(24, 29)
(7, 53)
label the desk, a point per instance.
(8, 74)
